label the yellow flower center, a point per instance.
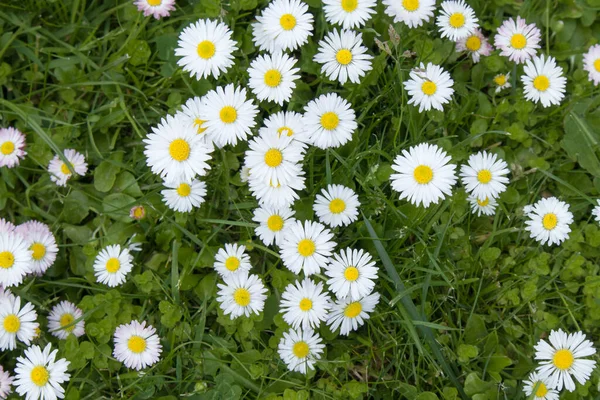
(39, 251)
(179, 150)
(284, 129)
(139, 212)
(232, 263)
(136, 344)
(423, 174)
(484, 176)
(206, 49)
(500, 80)
(518, 41)
(7, 259)
(242, 297)
(275, 223)
(273, 158)
(351, 274)
(198, 124)
(39, 375)
(7, 148)
(542, 390)
(306, 247)
(66, 320)
(410, 5)
(228, 114)
(113, 265)
(429, 88)
(12, 323)
(287, 22)
(549, 221)
(353, 309)
(337, 206)
(541, 83)
(300, 349)
(457, 20)
(563, 359)
(64, 168)
(343, 56)
(272, 78)
(483, 203)
(597, 65)
(473, 43)
(306, 304)
(349, 5)
(330, 120)
(154, 3)
(184, 190)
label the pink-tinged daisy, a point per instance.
(476, 45)
(517, 40)
(156, 8)
(12, 143)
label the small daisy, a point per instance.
(206, 48)
(60, 172)
(540, 387)
(232, 260)
(457, 20)
(287, 123)
(517, 40)
(15, 259)
(284, 25)
(337, 206)
(544, 81)
(424, 174)
(349, 13)
(66, 319)
(300, 349)
(484, 176)
(411, 12)
(330, 121)
(343, 56)
(475, 44)
(184, 196)
(39, 375)
(563, 357)
(591, 63)
(112, 265)
(272, 222)
(12, 143)
(6, 226)
(306, 246)
(429, 87)
(352, 273)
(349, 315)
(42, 243)
(137, 212)
(486, 206)
(305, 304)
(242, 294)
(272, 77)
(549, 221)
(277, 196)
(156, 8)
(137, 345)
(5, 383)
(596, 211)
(229, 116)
(16, 323)
(191, 113)
(502, 81)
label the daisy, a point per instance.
(175, 151)
(591, 63)
(184, 196)
(300, 349)
(112, 265)
(60, 172)
(517, 40)
(411, 12)
(475, 44)
(424, 174)
(156, 8)
(563, 357)
(66, 319)
(349, 13)
(16, 323)
(272, 222)
(287, 123)
(242, 294)
(39, 375)
(232, 260)
(329, 121)
(6, 226)
(137, 345)
(484, 176)
(137, 212)
(15, 259)
(349, 315)
(272, 77)
(544, 81)
(352, 273)
(457, 20)
(229, 116)
(343, 56)
(305, 304)
(429, 87)
(337, 206)
(486, 206)
(596, 211)
(42, 243)
(206, 48)
(502, 81)
(284, 25)
(306, 246)
(12, 143)
(5, 383)
(549, 221)
(191, 113)
(540, 387)
(277, 196)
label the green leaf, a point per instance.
(117, 206)
(139, 52)
(76, 207)
(105, 175)
(580, 143)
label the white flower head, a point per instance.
(15, 259)
(549, 221)
(349, 13)
(411, 12)
(272, 223)
(65, 319)
(484, 175)
(275, 195)
(306, 246)
(16, 323)
(137, 345)
(300, 349)
(456, 20)
(231, 260)
(42, 244)
(5, 383)
(59, 170)
(476, 44)
(349, 315)
(352, 273)
(539, 387)
(12, 145)
(330, 121)
(191, 113)
(517, 40)
(112, 265)
(304, 304)
(39, 375)
(156, 8)
(429, 87)
(591, 63)
(336, 205)
(486, 206)
(284, 25)
(242, 294)
(502, 81)
(287, 123)
(272, 77)
(183, 195)
(544, 81)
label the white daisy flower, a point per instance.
(5, 383)
(16, 323)
(5, 294)
(457, 20)
(42, 243)
(300, 349)
(304, 304)
(175, 151)
(544, 81)
(284, 25)
(549, 221)
(502, 81)
(6, 226)
(517, 40)
(476, 44)
(591, 63)
(60, 172)
(539, 387)
(184, 195)
(206, 48)
(277, 196)
(287, 123)
(484, 175)
(232, 260)
(306, 246)
(112, 265)
(156, 8)
(12, 145)
(229, 116)
(349, 315)
(337, 205)
(330, 121)
(242, 294)
(596, 211)
(137, 345)
(486, 206)
(190, 113)
(272, 223)
(352, 274)
(343, 56)
(429, 87)
(66, 319)
(349, 13)
(424, 174)
(39, 375)
(15, 259)
(272, 77)
(411, 12)
(563, 357)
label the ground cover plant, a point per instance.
(338, 199)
